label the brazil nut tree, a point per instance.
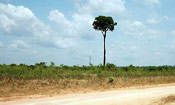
(104, 24)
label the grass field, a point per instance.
(40, 79)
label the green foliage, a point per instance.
(12, 65)
(101, 67)
(111, 79)
(41, 65)
(111, 66)
(125, 68)
(103, 23)
(131, 66)
(42, 71)
(52, 64)
(151, 68)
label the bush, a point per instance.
(111, 66)
(111, 79)
(125, 68)
(151, 68)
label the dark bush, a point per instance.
(151, 68)
(125, 68)
(111, 66)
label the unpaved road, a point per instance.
(146, 96)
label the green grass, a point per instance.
(40, 71)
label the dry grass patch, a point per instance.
(47, 87)
(169, 100)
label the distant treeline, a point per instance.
(109, 66)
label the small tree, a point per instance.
(52, 64)
(103, 24)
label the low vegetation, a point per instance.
(169, 100)
(21, 80)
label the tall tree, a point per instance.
(103, 24)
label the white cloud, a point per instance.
(65, 43)
(6, 23)
(19, 44)
(1, 45)
(135, 28)
(59, 18)
(137, 24)
(156, 19)
(138, 29)
(109, 7)
(79, 26)
(57, 42)
(20, 21)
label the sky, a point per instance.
(61, 31)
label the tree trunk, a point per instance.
(104, 60)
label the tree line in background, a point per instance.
(109, 66)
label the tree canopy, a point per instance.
(104, 23)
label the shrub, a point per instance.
(125, 68)
(13, 65)
(111, 66)
(111, 79)
(151, 68)
(52, 64)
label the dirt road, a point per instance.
(120, 97)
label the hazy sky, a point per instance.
(61, 31)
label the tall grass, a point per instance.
(42, 71)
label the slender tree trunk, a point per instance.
(104, 60)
